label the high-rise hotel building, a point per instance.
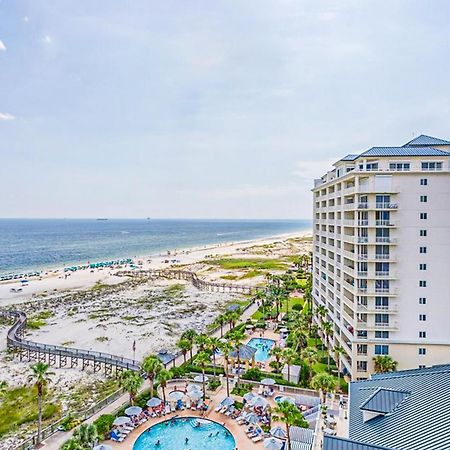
(381, 254)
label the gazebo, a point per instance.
(244, 353)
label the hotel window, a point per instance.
(381, 302)
(424, 216)
(422, 351)
(422, 283)
(381, 319)
(424, 181)
(422, 317)
(422, 249)
(382, 334)
(423, 233)
(401, 167)
(422, 300)
(423, 198)
(361, 366)
(372, 166)
(381, 349)
(422, 266)
(432, 166)
(422, 334)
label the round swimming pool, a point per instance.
(186, 433)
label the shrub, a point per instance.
(178, 372)
(297, 307)
(213, 385)
(253, 374)
(104, 424)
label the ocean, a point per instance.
(36, 244)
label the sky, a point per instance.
(207, 109)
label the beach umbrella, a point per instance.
(249, 326)
(176, 395)
(195, 395)
(284, 330)
(268, 382)
(252, 418)
(287, 399)
(133, 410)
(193, 387)
(201, 378)
(278, 432)
(248, 396)
(103, 447)
(258, 402)
(227, 401)
(273, 443)
(154, 402)
(121, 420)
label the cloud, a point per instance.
(6, 116)
(26, 19)
(309, 170)
(2, 46)
(47, 39)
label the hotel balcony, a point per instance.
(385, 223)
(385, 240)
(384, 205)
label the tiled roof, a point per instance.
(245, 352)
(299, 434)
(350, 157)
(421, 422)
(402, 373)
(336, 443)
(384, 401)
(423, 139)
(404, 151)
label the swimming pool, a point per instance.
(262, 346)
(202, 434)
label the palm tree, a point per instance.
(277, 353)
(221, 321)
(162, 378)
(291, 416)
(131, 381)
(213, 345)
(384, 363)
(289, 355)
(152, 366)
(3, 388)
(202, 359)
(201, 340)
(226, 348)
(189, 335)
(323, 382)
(85, 435)
(184, 345)
(236, 337)
(309, 354)
(338, 350)
(232, 317)
(40, 376)
(327, 329)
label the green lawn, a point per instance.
(248, 263)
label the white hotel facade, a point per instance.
(381, 254)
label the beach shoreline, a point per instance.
(54, 279)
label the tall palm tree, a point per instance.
(277, 353)
(236, 337)
(309, 354)
(384, 363)
(226, 348)
(131, 381)
(327, 330)
(213, 345)
(152, 366)
(40, 377)
(291, 416)
(189, 335)
(162, 378)
(184, 345)
(201, 341)
(323, 382)
(289, 355)
(338, 351)
(221, 321)
(202, 359)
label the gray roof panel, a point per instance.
(337, 443)
(423, 140)
(384, 401)
(404, 151)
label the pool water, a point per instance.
(172, 435)
(262, 347)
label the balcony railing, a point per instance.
(384, 223)
(362, 273)
(382, 256)
(382, 273)
(362, 257)
(385, 240)
(385, 205)
(363, 205)
(363, 223)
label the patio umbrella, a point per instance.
(268, 381)
(154, 402)
(248, 396)
(288, 399)
(121, 420)
(103, 447)
(133, 410)
(201, 378)
(252, 418)
(193, 387)
(227, 401)
(284, 330)
(258, 402)
(195, 395)
(278, 432)
(273, 443)
(176, 395)
(249, 326)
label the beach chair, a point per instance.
(218, 408)
(223, 409)
(257, 439)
